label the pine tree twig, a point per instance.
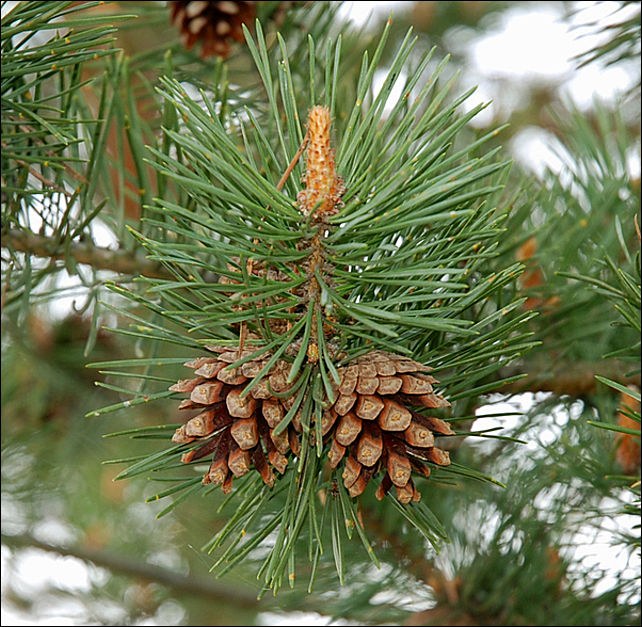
(195, 586)
(67, 168)
(279, 186)
(574, 380)
(49, 184)
(293, 163)
(122, 262)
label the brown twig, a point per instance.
(67, 168)
(45, 181)
(196, 586)
(572, 380)
(293, 163)
(120, 261)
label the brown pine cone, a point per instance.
(377, 431)
(237, 430)
(214, 24)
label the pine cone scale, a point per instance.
(378, 433)
(394, 417)
(348, 429)
(366, 385)
(351, 471)
(186, 385)
(419, 436)
(336, 453)
(240, 425)
(389, 385)
(369, 406)
(207, 393)
(399, 469)
(370, 446)
(345, 403)
(238, 462)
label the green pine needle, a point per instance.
(410, 266)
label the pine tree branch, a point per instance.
(196, 586)
(571, 379)
(120, 261)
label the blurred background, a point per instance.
(559, 545)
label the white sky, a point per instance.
(530, 44)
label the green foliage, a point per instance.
(519, 562)
(408, 251)
(574, 218)
(40, 85)
(622, 41)
(51, 143)
(179, 158)
(622, 292)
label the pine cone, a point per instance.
(237, 430)
(376, 430)
(215, 24)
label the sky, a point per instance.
(541, 49)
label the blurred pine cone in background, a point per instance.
(215, 24)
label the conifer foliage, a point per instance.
(319, 301)
(335, 338)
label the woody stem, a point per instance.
(293, 163)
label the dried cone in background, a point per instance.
(628, 446)
(237, 431)
(214, 24)
(376, 431)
